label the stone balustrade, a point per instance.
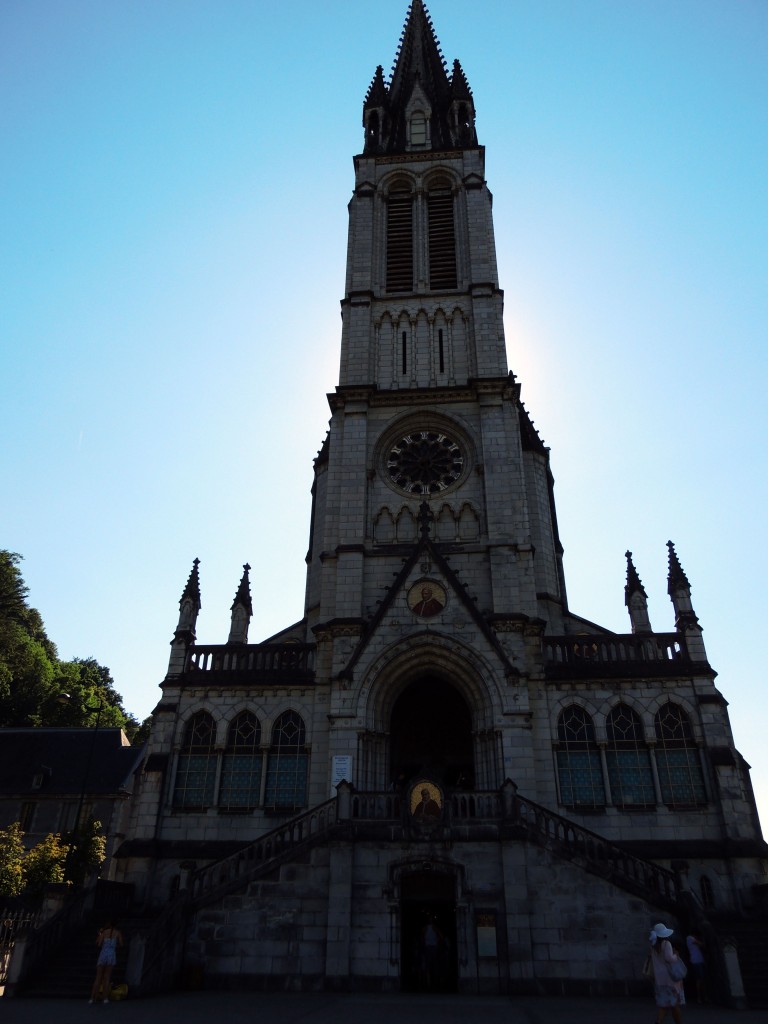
(278, 663)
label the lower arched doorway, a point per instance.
(431, 735)
(428, 954)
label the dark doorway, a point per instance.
(428, 956)
(431, 735)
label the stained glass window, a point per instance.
(286, 787)
(578, 760)
(628, 760)
(241, 764)
(196, 769)
(677, 758)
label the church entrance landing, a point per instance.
(428, 958)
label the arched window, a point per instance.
(400, 240)
(286, 788)
(442, 238)
(628, 759)
(677, 758)
(196, 769)
(579, 771)
(241, 766)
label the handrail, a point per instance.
(596, 853)
(237, 869)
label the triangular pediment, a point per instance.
(427, 594)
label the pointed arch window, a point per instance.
(400, 241)
(628, 759)
(442, 236)
(241, 765)
(677, 758)
(286, 784)
(196, 768)
(579, 771)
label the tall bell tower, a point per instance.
(426, 415)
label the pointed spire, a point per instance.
(377, 90)
(420, 91)
(418, 55)
(189, 603)
(459, 85)
(242, 610)
(634, 584)
(676, 580)
(184, 635)
(686, 620)
(636, 599)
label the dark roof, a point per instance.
(65, 761)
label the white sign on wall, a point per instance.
(341, 768)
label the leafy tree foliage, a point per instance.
(53, 860)
(45, 864)
(11, 860)
(36, 688)
(87, 849)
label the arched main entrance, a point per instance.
(431, 735)
(428, 954)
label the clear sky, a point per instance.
(175, 175)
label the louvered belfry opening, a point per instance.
(442, 240)
(400, 242)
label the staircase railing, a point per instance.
(506, 807)
(592, 851)
(221, 876)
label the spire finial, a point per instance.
(242, 610)
(192, 587)
(636, 599)
(634, 584)
(243, 594)
(189, 608)
(676, 580)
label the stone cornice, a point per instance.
(377, 398)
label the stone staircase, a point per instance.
(260, 890)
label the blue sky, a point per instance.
(175, 175)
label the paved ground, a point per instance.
(259, 1008)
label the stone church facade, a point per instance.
(440, 746)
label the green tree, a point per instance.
(33, 679)
(87, 848)
(11, 860)
(27, 656)
(45, 864)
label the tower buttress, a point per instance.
(242, 610)
(189, 609)
(686, 621)
(636, 599)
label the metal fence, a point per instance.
(11, 923)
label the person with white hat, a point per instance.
(669, 992)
